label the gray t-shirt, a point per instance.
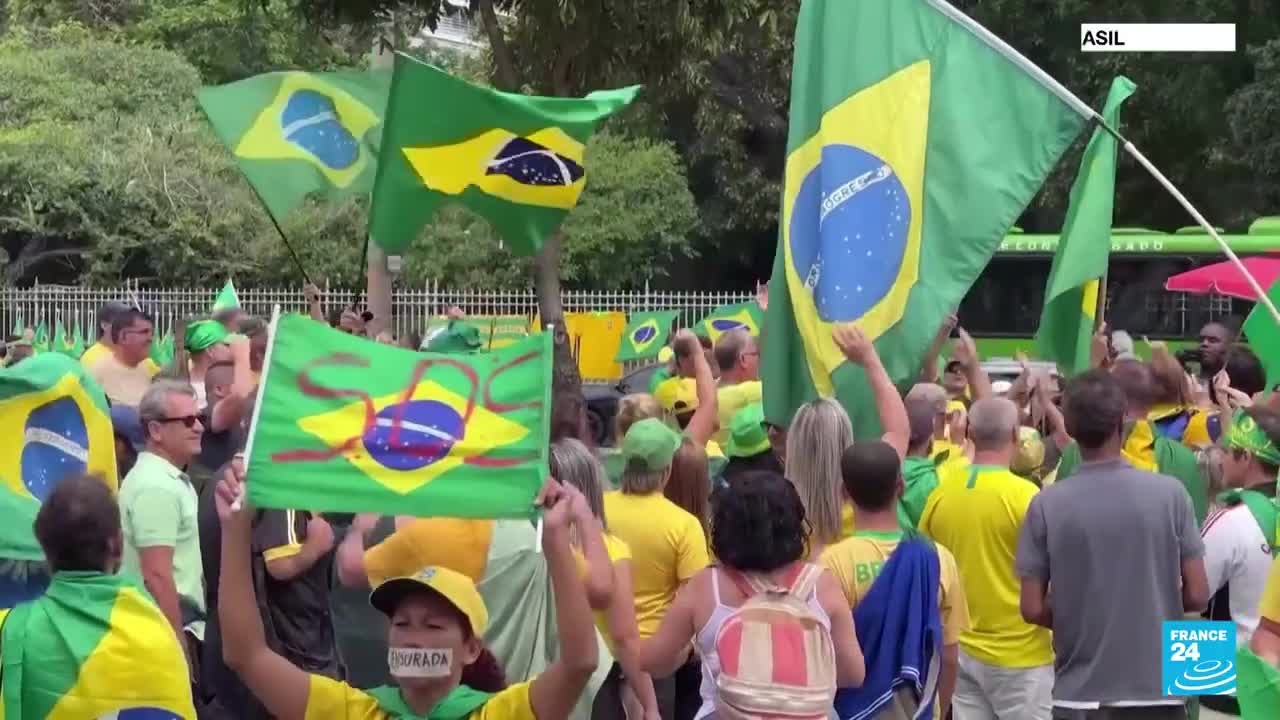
(1110, 541)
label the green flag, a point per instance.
(227, 299)
(77, 344)
(41, 339)
(915, 140)
(740, 316)
(515, 160)
(645, 335)
(1071, 295)
(1264, 336)
(296, 133)
(1257, 686)
(162, 350)
(425, 435)
(18, 327)
(60, 342)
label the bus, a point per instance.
(1002, 309)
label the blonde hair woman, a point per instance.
(819, 434)
(609, 588)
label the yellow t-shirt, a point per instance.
(330, 699)
(856, 562)
(123, 385)
(732, 398)
(976, 512)
(97, 351)
(846, 520)
(667, 548)
(617, 551)
(1269, 605)
(456, 543)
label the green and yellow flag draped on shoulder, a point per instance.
(93, 646)
(741, 316)
(57, 423)
(296, 133)
(914, 144)
(1071, 294)
(645, 335)
(515, 160)
(350, 425)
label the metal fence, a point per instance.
(412, 308)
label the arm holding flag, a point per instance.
(858, 349)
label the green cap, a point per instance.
(457, 337)
(203, 335)
(747, 434)
(651, 443)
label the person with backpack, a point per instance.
(1240, 536)
(762, 617)
(905, 594)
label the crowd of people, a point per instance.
(1001, 550)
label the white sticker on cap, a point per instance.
(420, 662)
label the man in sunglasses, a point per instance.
(158, 507)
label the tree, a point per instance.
(562, 49)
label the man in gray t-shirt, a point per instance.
(1105, 557)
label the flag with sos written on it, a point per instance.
(346, 424)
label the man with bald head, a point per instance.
(738, 357)
(1143, 447)
(976, 512)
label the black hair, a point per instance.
(335, 317)
(757, 523)
(1245, 370)
(871, 470)
(1094, 405)
(126, 318)
(764, 461)
(107, 315)
(78, 525)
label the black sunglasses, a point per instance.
(187, 420)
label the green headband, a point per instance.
(203, 335)
(1246, 435)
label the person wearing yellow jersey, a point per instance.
(872, 478)
(608, 578)
(667, 544)
(126, 371)
(738, 357)
(1006, 663)
(102, 348)
(437, 620)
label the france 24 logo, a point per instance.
(1198, 657)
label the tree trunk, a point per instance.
(565, 377)
(380, 282)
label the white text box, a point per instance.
(1158, 37)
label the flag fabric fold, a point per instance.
(515, 160)
(298, 133)
(1080, 261)
(739, 316)
(915, 141)
(645, 335)
(425, 435)
(227, 298)
(93, 646)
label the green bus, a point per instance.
(1002, 309)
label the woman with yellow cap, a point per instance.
(437, 621)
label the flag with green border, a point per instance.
(425, 435)
(739, 316)
(645, 335)
(299, 133)
(227, 298)
(1264, 335)
(41, 340)
(915, 141)
(1080, 261)
(515, 160)
(77, 342)
(93, 646)
(61, 344)
(501, 330)
(1257, 686)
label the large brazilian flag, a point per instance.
(345, 424)
(93, 646)
(296, 133)
(916, 139)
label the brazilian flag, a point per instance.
(57, 423)
(162, 350)
(93, 646)
(297, 133)
(41, 339)
(515, 160)
(645, 335)
(740, 316)
(916, 139)
(346, 424)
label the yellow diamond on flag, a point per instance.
(404, 444)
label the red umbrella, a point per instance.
(1224, 278)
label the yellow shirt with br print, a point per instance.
(330, 699)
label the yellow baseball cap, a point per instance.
(1030, 452)
(665, 354)
(677, 395)
(452, 585)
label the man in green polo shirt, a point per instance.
(158, 508)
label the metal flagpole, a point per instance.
(1079, 106)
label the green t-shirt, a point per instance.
(920, 477)
(158, 508)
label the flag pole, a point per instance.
(1083, 109)
(272, 333)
